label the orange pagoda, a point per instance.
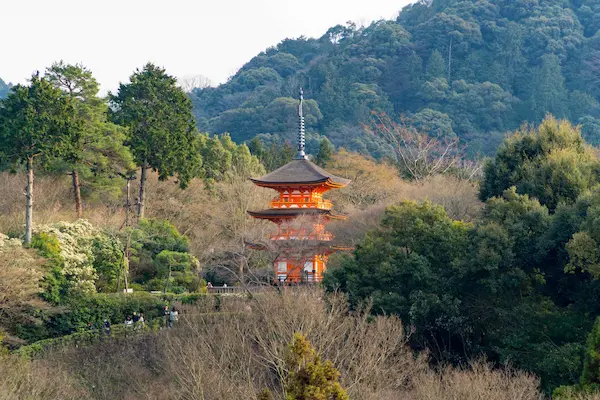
(301, 242)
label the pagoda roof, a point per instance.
(306, 245)
(275, 213)
(300, 171)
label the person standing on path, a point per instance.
(173, 317)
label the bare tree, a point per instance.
(419, 156)
(191, 82)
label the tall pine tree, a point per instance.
(37, 125)
(436, 66)
(100, 155)
(161, 126)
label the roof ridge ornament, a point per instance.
(301, 154)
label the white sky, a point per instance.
(213, 38)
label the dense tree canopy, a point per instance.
(37, 126)
(552, 163)
(101, 159)
(519, 283)
(463, 67)
(161, 126)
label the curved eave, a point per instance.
(276, 185)
(271, 215)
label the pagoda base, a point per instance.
(294, 271)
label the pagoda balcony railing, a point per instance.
(321, 204)
(326, 237)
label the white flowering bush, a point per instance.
(9, 244)
(80, 246)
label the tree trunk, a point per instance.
(141, 205)
(29, 202)
(450, 60)
(77, 194)
(128, 202)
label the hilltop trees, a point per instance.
(486, 66)
(161, 126)
(37, 125)
(552, 163)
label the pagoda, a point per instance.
(301, 242)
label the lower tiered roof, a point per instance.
(275, 213)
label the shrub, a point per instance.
(309, 377)
(76, 313)
(114, 307)
(79, 255)
(148, 240)
(179, 272)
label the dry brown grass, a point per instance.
(24, 380)
(237, 352)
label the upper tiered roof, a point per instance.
(300, 172)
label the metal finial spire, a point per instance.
(301, 154)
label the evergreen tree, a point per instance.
(591, 361)
(37, 125)
(325, 152)
(436, 66)
(552, 163)
(549, 93)
(309, 377)
(100, 153)
(161, 126)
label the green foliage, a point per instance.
(101, 159)
(487, 65)
(590, 378)
(54, 284)
(271, 153)
(177, 272)
(433, 123)
(278, 116)
(498, 287)
(407, 267)
(325, 153)
(81, 259)
(552, 163)
(77, 313)
(161, 127)
(77, 339)
(36, 121)
(156, 235)
(436, 66)
(591, 361)
(309, 377)
(159, 258)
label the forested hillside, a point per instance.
(471, 69)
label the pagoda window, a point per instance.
(281, 266)
(286, 199)
(308, 266)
